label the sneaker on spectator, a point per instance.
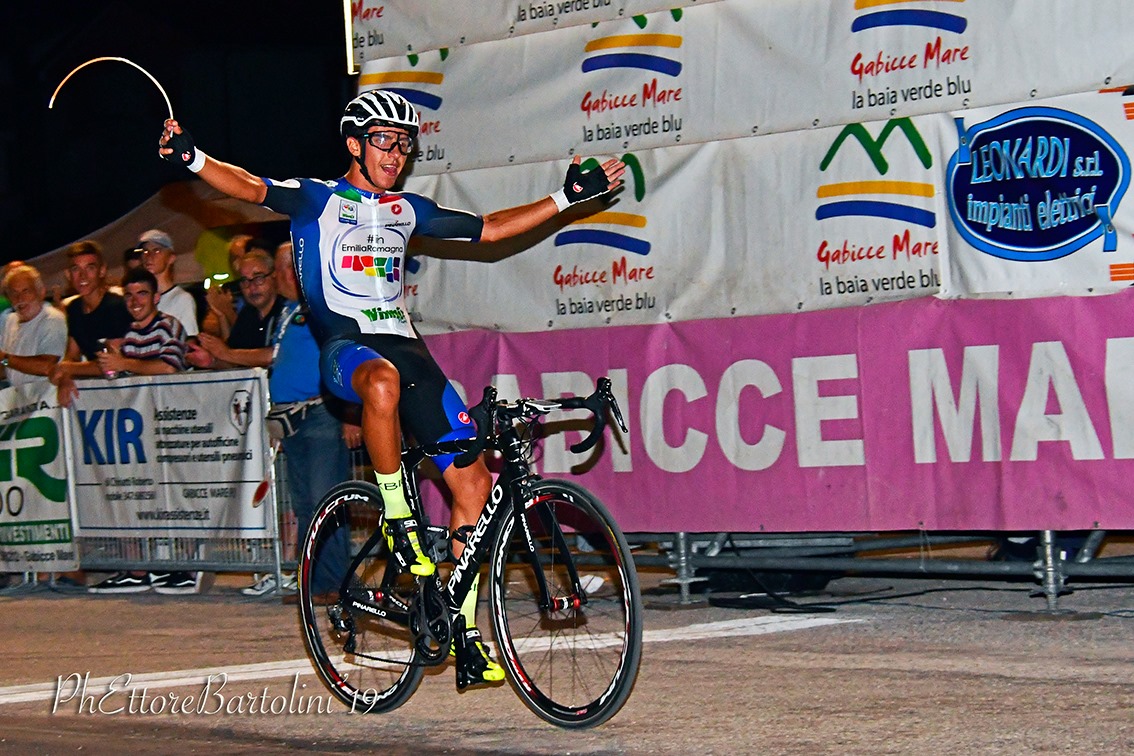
(267, 584)
(175, 583)
(122, 582)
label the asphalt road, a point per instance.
(899, 666)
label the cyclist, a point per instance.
(350, 236)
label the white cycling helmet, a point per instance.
(378, 107)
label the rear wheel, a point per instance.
(368, 662)
(567, 613)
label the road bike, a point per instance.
(563, 592)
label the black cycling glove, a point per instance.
(184, 151)
(580, 186)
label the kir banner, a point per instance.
(178, 455)
(35, 518)
(923, 414)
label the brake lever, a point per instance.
(596, 403)
(605, 388)
(481, 415)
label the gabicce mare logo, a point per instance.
(833, 196)
(1036, 184)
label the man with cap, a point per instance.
(158, 258)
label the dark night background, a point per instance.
(257, 83)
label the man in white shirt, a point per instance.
(34, 335)
(158, 258)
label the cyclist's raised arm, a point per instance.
(579, 186)
(176, 146)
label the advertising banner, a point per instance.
(741, 68)
(785, 223)
(35, 518)
(923, 414)
(177, 455)
(1037, 196)
(381, 28)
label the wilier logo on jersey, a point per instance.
(348, 212)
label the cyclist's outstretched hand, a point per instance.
(176, 146)
(581, 185)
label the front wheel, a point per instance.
(566, 609)
(369, 662)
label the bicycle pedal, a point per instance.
(437, 544)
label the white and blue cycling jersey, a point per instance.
(350, 250)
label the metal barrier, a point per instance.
(196, 554)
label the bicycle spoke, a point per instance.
(368, 662)
(573, 666)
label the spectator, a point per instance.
(97, 312)
(158, 258)
(132, 258)
(223, 301)
(34, 336)
(315, 455)
(5, 303)
(154, 345)
(255, 323)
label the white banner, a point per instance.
(1036, 194)
(381, 28)
(35, 519)
(739, 68)
(809, 220)
(172, 455)
(779, 224)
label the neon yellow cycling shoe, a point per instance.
(405, 544)
(474, 661)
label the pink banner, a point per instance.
(941, 415)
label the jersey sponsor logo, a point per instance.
(374, 314)
(464, 418)
(348, 212)
(372, 265)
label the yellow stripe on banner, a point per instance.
(912, 188)
(634, 40)
(616, 219)
(407, 77)
(859, 4)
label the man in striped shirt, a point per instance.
(155, 343)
